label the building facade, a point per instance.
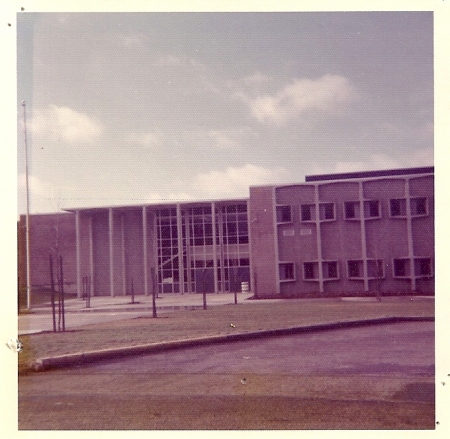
(340, 234)
(172, 248)
(350, 233)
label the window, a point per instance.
(310, 270)
(351, 209)
(307, 212)
(375, 268)
(286, 271)
(330, 270)
(326, 211)
(372, 209)
(398, 207)
(284, 214)
(418, 206)
(355, 269)
(422, 267)
(401, 268)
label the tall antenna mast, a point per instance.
(27, 221)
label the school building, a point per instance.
(337, 234)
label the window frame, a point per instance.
(315, 271)
(312, 213)
(323, 209)
(292, 268)
(360, 275)
(401, 208)
(280, 208)
(325, 264)
(383, 274)
(421, 275)
(367, 209)
(406, 269)
(356, 211)
(412, 202)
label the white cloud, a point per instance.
(43, 197)
(63, 123)
(148, 140)
(36, 186)
(234, 182)
(418, 158)
(224, 138)
(303, 98)
(156, 197)
(256, 78)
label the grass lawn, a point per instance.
(218, 320)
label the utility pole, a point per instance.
(27, 221)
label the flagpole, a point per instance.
(27, 221)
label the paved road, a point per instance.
(340, 379)
(402, 349)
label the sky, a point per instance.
(141, 108)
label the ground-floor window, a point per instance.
(286, 271)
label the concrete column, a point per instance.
(213, 214)
(144, 247)
(318, 237)
(275, 237)
(91, 256)
(180, 249)
(111, 251)
(188, 251)
(155, 256)
(409, 235)
(363, 236)
(78, 250)
(124, 271)
(222, 258)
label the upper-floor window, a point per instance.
(371, 209)
(308, 212)
(398, 206)
(284, 214)
(326, 211)
(419, 206)
(351, 210)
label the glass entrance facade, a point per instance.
(202, 248)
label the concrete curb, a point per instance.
(80, 358)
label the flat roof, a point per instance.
(371, 174)
(156, 206)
